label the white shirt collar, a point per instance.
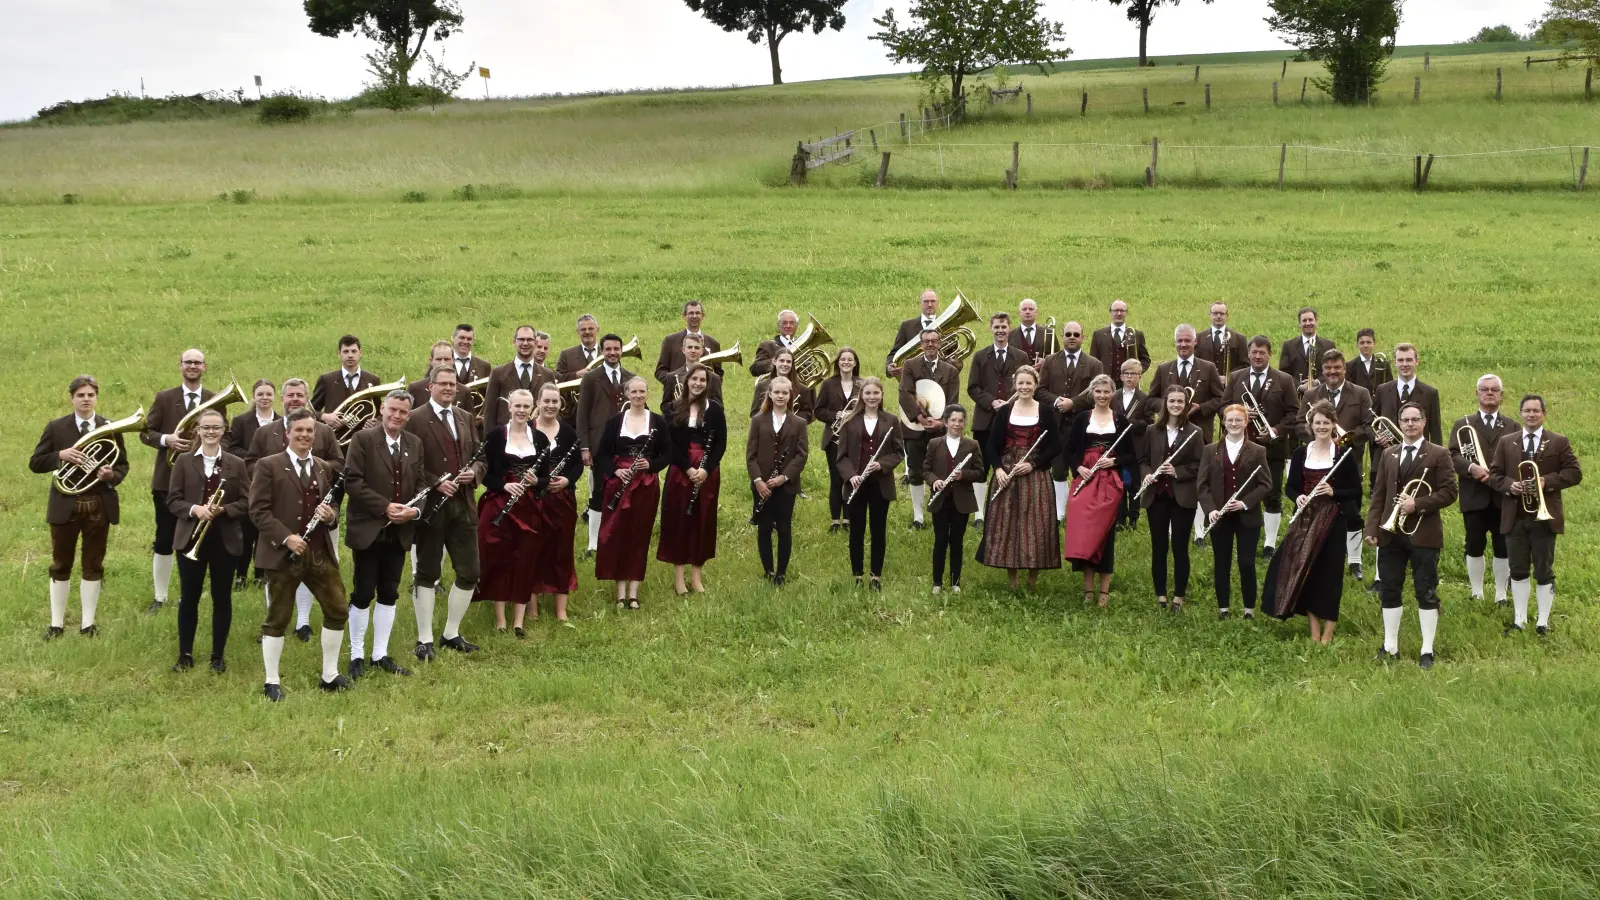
(295, 459)
(79, 421)
(1416, 447)
(1403, 384)
(952, 443)
(271, 417)
(441, 411)
(612, 372)
(202, 452)
(1000, 349)
(1537, 433)
(199, 391)
(345, 375)
(1487, 416)
(459, 360)
(778, 419)
(391, 440)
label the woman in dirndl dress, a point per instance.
(1020, 529)
(1306, 575)
(699, 432)
(553, 506)
(512, 453)
(633, 448)
(1094, 456)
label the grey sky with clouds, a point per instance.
(75, 49)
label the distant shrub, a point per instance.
(413, 197)
(69, 199)
(395, 97)
(175, 251)
(280, 108)
(119, 108)
(466, 192)
(236, 196)
(1495, 34)
(471, 192)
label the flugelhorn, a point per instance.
(846, 414)
(1533, 491)
(362, 408)
(1467, 443)
(1258, 417)
(199, 536)
(1398, 523)
(99, 449)
(812, 364)
(185, 430)
(956, 339)
(732, 354)
(1385, 432)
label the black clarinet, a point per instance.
(455, 479)
(544, 485)
(694, 492)
(641, 456)
(311, 526)
(761, 502)
(521, 475)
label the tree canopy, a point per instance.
(1568, 20)
(1352, 38)
(1494, 34)
(952, 39)
(401, 27)
(1142, 12)
(772, 20)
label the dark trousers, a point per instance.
(247, 561)
(982, 437)
(776, 516)
(916, 452)
(870, 509)
(1170, 524)
(1231, 541)
(1483, 527)
(221, 566)
(88, 521)
(949, 533)
(1129, 513)
(1532, 545)
(377, 573)
(1273, 502)
(836, 483)
(166, 523)
(319, 572)
(596, 488)
(452, 527)
(1393, 556)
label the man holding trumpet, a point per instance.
(1532, 467)
(1272, 404)
(1473, 440)
(1414, 482)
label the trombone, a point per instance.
(1051, 344)
(1408, 524)
(1467, 444)
(199, 537)
(1533, 491)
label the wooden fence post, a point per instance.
(1427, 62)
(1197, 74)
(1283, 158)
(1285, 72)
(1274, 93)
(1030, 104)
(1416, 178)
(883, 169)
(1426, 168)
(902, 126)
(1588, 84)
(1303, 82)
(874, 135)
(1208, 95)
(1583, 170)
(1147, 101)
(1083, 108)
(1416, 90)
(1155, 158)
(1011, 173)
(1498, 83)
(797, 165)
(1527, 64)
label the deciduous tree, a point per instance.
(1352, 38)
(400, 27)
(1141, 12)
(953, 39)
(1568, 20)
(772, 20)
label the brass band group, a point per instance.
(1065, 439)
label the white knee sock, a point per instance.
(1547, 598)
(89, 596)
(302, 607)
(1270, 529)
(358, 632)
(1475, 576)
(1352, 546)
(919, 494)
(1502, 577)
(382, 626)
(331, 640)
(59, 592)
(1519, 601)
(1391, 628)
(1060, 487)
(161, 573)
(1428, 619)
(423, 606)
(455, 610)
(271, 652)
(981, 491)
(413, 562)
(594, 530)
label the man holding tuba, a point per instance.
(927, 383)
(1472, 442)
(333, 387)
(788, 324)
(1532, 467)
(161, 431)
(911, 328)
(91, 509)
(1414, 483)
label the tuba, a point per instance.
(732, 354)
(100, 450)
(219, 402)
(1533, 491)
(958, 340)
(811, 363)
(360, 409)
(1407, 525)
(1467, 444)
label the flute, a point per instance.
(1152, 479)
(1242, 485)
(1084, 482)
(857, 489)
(1331, 470)
(953, 476)
(1022, 459)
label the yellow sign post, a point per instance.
(483, 72)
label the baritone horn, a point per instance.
(99, 448)
(956, 339)
(1408, 524)
(812, 364)
(361, 409)
(1533, 491)
(1467, 443)
(219, 402)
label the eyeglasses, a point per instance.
(194, 362)
(210, 428)
(1072, 334)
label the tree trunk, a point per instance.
(1144, 38)
(773, 39)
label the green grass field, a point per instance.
(814, 742)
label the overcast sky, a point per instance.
(56, 50)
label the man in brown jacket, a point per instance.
(469, 368)
(1119, 341)
(671, 358)
(449, 447)
(288, 504)
(693, 348)
(1353, 406)
(1299, 355)
(785, 339)
(161, 432)
(943, 373)
(573, 361)
(600, 397)
(1480, 501)
(1222, 346)
(1274, 392)
(1189, 371)
(911, 328)
(333, 387)
(1532, 535)
(522, 373)
(89, 514)
(989, 387)
(383, 476)
(1418, 534)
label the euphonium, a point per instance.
(199, 537)
(219, 402)
(957, 341)
(811, 363)
(1467, 442)
(362, 408)
(1407, 525)
(1533, 490)
(99, 449)
(732, 354)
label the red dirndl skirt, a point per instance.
(688, 540)
(1093, 512)
(505, 552)
(625, 531)
(554, 516)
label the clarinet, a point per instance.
(549, 475)
(455, 479)
(642, 456)
(311, 526)
(522, 476)
(777, 469)
(694, 492)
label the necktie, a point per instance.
(189, 402)
(1533, 446)
(1259, 377)
(1336, 399)
(394, 451)
(1029, 333)
(1489, 421)
(305, 471)
(350, 380)
(449, 417)
(1411, 455)
(616, 380)
(526, 378)
(1183, 370)
(1119, 334)
(83, 427)
(1405, 393)
(463, 367)
(1216, 341)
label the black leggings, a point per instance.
(777, 515)
(192, 583)
(949, 532)
(874, 506)
(836, 483)
(1170, 524)
(1228, 533)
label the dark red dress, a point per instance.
(690, 538)
(506, 551)
(555, 515)
(628, 511)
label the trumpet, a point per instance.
(185, 430)
(1533, 491)
(845, 415)
(361, 409)
(1385, 432)
(99, 449)
(1467, 443)
(1258, 417)
(1407, 524)
(215, 506)
(732, 354)
(569, 389)
(957, 340)
(812, 363)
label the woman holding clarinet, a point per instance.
(699, 433)
(552, 506)
(507, 538)
(633, 448)
(869, 449)
(1020, 530)
(1097, 446)
(1233, 481)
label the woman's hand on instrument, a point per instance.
(1001, 478)
(871, 467)
(939, 485)
(1086, 472)
(1167, 470)
(201, 511)
(764, 492)
(625, 475)
(1323, 490)
(1214, 516)
(855, 481)
(558, 483)
(777, 481)
(515, 488)
(697, 476)
(72, 455)
(1301, 501)
(1148, 480)
(1021, 468)
(1234, 506)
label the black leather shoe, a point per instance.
(273, 692)
(588, 554)
(1385, 656)
(875, 586)
(1425, 661)
(53, 632)
(1500, 602)
(219, 666)
(777, 581)
(521, 635)
(459, 644)
(1513, 630)
(389, 665)
(153, 608)
(185, 663)
(917, 525)
(1373, 588)
(423, 652)
(303, 633)
(833, 527)
(358, 668)
(339, 683)
(1249, 614)
(1355, 571)
(90, 631)
(239, 583)
(1266, 552)
(1200, 542)
(1222, 614)
(1542, 630)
